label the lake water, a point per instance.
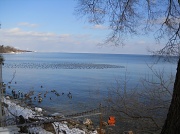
(86, 76)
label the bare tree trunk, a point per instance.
(172, 123)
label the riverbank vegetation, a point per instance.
(9, 49)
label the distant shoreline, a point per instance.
(17, 52)
(11, 50)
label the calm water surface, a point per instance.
(86, 76)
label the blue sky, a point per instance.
(52, 26)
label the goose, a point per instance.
(40, 99)
(69, 95)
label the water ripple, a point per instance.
(60, 66)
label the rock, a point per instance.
(104, 123)
(7, 97)
(83, 127)
(73, 122)
(57, 115)
(101, 132)
(76, 126)
(49, 127)
(94, 132)
(90, 127)
(37, 109)
(71, 126)
(21, 119)
(23, 129)
(64, 122)
(87, 122)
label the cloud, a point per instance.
(64, 35)
(26, 24)
(141, 42)
(53, 42)
(13, 30)
(46, 41)
(17, 32)
(97, 27)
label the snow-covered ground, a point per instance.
(12, 109)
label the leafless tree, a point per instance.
(133, 17)
(144, 107)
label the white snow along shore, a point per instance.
(17, 110)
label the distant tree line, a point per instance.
(9, 49)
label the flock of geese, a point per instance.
(60, 66)
(31, 95)
(39, 97)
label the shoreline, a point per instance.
(12, 107)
